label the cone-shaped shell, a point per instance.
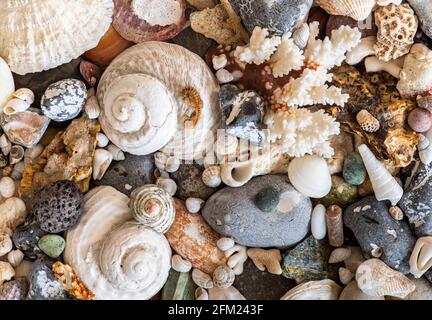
(37, 35)
(153, 207)
(7, 85)
(384, 184)
(357, 9)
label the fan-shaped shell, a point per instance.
(37, 35)
(356, 9)
(153, 207)
(177, 68)
(115, 257)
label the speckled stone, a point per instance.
(423, 9)
(26, 238)
(308, 261)
(373, 226)
(179, 286)
(267, 199)
(129, 174)
(190, 184)
(16, 289)
(341, 193)
(52, 245)
(279, 16)
(416, 202)
(58, 206)
(64, 100)
(354, 171)
(232, 213)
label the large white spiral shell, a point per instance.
(114, 256)
(189, 81)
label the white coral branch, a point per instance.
(288, 57)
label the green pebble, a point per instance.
(354, 171)
(52, 245)
(267, 199)
(341, 193)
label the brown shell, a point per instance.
(193, 239)
(394, 142)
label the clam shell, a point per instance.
(7, 85)
(310, 175)
(48, 33)
(357, 9)
(314, 290)
(223, 277)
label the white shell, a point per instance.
(25, 94)
(116, 152)
(310, 175)
(15, 257)
(160, 160)
(384, 184)
(225, 244)
(318, 222)
(101, 162)
(237, 256)
(201, 294)
(15, 105)
(421, 257)
(364, 49)
(179, 264)
(102, 140)
(169, 185)
(7, 187)
(12, 213)
(314, 290)
(7, 272)
(115, 257)
(5, 243)
(194, 205)
(7, 85)
(345, 276)
(5, 144)
(339, 255)
(223, 277)
(352, 292)
(49, 33)
(178, 69)
(16, 154)
(212, 176)
(32, 153)
(373, 64)
(229, 293)
(301, 36)
(202, 279)
(91, 107)
(238, 173)
(18, 171)
(172, 164)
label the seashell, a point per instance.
(7, 85)
(202, 279)
(25, 95)
(201, 294)
(345, 276)
(117, 154)
(384, 184)
(376, 251)
(91, 73)
(160, 160)
(339, 255)
(364, 49)
(50, 33)
(153, 207)
(71, 282)
(5, 144)
(116, 258)
(101, 162)
(237, 256)
(191, 108)
(367, 122)
(377, 279)
(169, 185)
(7, 272)
(194, 205)
(92, 105)
(225, 244)
(5, 243)
(16, 154)
(318, 222)
(229, 293)
(335, 226)
(310, 175)
(424, 142)
(15, 105)
(237, 174)
(212, 177)
(352, 292)
(266, 259)
(223, 277)
(7, 187)
(314, 290)
(373, 64)
(426, 154)
(102, 140)
(396, 213)
(15, 257)
(168, 69)
(172, 164)
(301, 36)
(384, 3)
(12, 213)
(357, 9)
(179, 264)
(421, 257)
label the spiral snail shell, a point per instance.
(153, 207)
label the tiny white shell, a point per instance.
(117, 153)
(201, 294)
(301, 36)
(25, 94)
(339, 255)
(101, 161)
(15, 257)
(168, 185)
(179, 264)
(91, 107)
(5, 144)
(223, 277)
(202, 279)
(5, 244)
(194, 205)
(160, 160)
(15, 105)
(18, 171)
(172, 164)
(212, 176)
(102, 140)
(225, 244)
(318, 222)
(345, 276)
(7, 187)
(32, 153)
(16, 154)
(421, 257)
(424, 142)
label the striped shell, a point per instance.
(357, 9)
(212, 176)
(153, 207)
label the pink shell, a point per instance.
(131, 27)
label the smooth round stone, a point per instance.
(26, 238)
(64, 100)
(267, 199)
(341, 193)
(354, 171)
(420, 120)
(232, 212)
(318, 222)
(52, 245)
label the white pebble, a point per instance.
(102, 140)
(128, 187)
(224, 76)
(194, 205)
(15, 258)
(318, 222)
(7, 187)
(225, 244)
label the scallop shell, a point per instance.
(101, 162)
(384, 184)
(421, 257)
(25, 94)
(153, 207)
(116, 258)
(357, 9)
(223, 277)
(202, 279)
(145, 20)
(177, 68)
(310, 175)
(48, 33)
(314, 290)
(7, 85)
(212, 177)
(179, 264)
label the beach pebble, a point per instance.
(5, 243)
(52, 245)
(7, 272)
(354, 172)
(15, 257)
(15, 289)
(7, 187)
(341, 193)
(64, 100)
(268, 199)
(318, 222)
(26, 238)
(232, 212)
(423, 9)
(420, 120)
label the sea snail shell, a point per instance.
(153, 207)
(421, 257)
(223, 277)
(238, 173)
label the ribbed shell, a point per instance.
(356, 9)
(37, 35)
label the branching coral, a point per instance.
(288, 57)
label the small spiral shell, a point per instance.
(223, 277)
(153, 207)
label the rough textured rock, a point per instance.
(15, 289)
(26, 238)
(376, 231)
(193, 41)
(232, 212)
(423, 9)
(341, 193)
